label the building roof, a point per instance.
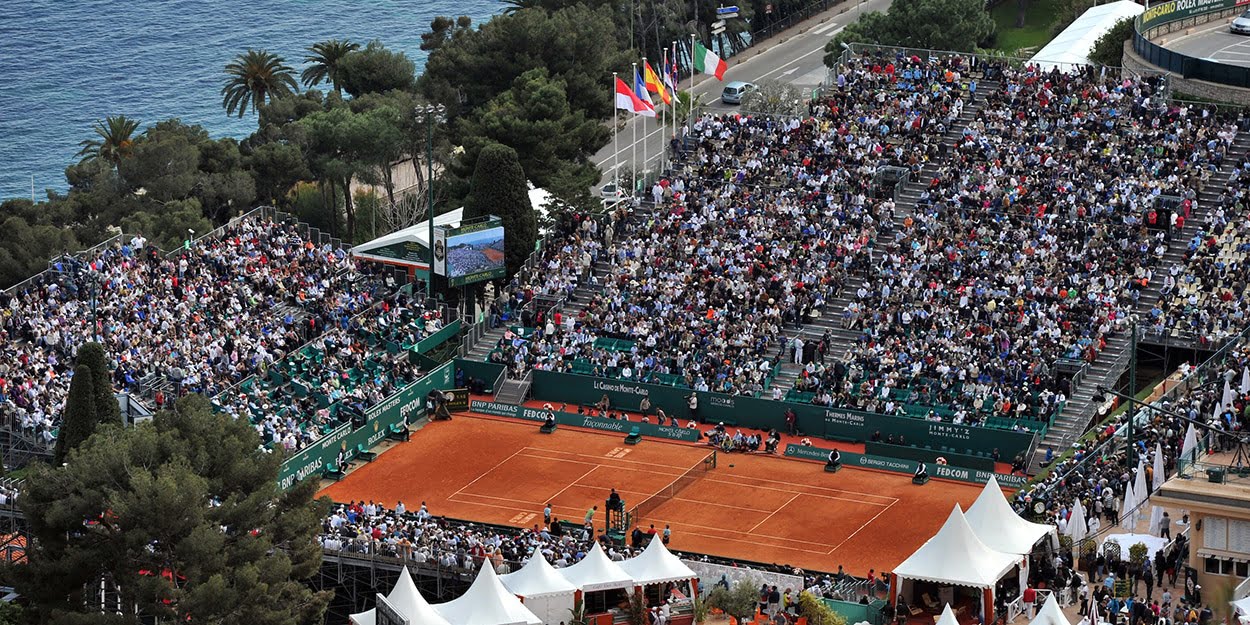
(1073, 45)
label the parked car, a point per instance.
(734, 92)
(1241, 25)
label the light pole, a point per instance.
(432, 112)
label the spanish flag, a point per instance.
(654, 84)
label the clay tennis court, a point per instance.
(755, 507)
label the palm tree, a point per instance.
(324, 59)
(116, 136)
(520, 5)
(255, 77)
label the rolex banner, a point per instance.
(440, 251)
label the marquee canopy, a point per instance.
(597, 572)
(537, 578)
(956, 556)
(486, 602)
(656, 565)
(947, 617)
(408, 601)
(1073, 45)
(999, 527)
(1050, 614)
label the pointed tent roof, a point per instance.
(408, 600)
(486, 602)
(1050, 614)
(364, 618)
(956, 556)
(656, 565)
(999, 527)
(947, 617)
(537, 578)
(597, 572)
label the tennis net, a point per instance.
(692, 475)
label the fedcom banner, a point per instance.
(403, 405)
(898, 465)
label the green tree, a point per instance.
(498, 188)
(1108, 49)
(253, 78)
(535, 119)
(324, 62)
(444, 29)
(375, 69)
(78, 419)
(957, 25)
(276, 167)
(576, 45)
(775, 98)
(165, 162)
(738, 601)
(183, 515)
(115, 136)
(92, 356)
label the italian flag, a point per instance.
(707, 63)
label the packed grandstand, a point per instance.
(1050, 210)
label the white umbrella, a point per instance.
(1190, 444)
(1156, 513)
(1126, 510)
(1078, 529)
(1245, 380)
(1227, 400)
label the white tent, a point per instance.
(656, 565)
(1073, 45)
(947, 617)
(597, 572)
(1001, 529)
(543, 590)
(1156, 512)
(1242, 606)
(1141, 490)
(1245, 380)
(1190, 445)
(486, 602)
(1050, 614)
(956, 556)
(405, 598)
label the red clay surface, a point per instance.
(754, 507)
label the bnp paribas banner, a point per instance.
(1175, 10)
(585, 421)
(406, 404)
(898, 465)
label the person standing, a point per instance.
(668, 533)
(590, 517)
(692, 401)
(547, 514)
(774, 601)
(644, 407)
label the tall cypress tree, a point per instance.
(498, 188)
(106, 408)
(78, 419)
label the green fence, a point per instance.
(899, 465)
(448, 332)
(585, 421)
(378, 421)
(858, 612)
(832, 423)
(487, 371)
(985, 463)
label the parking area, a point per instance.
(1213, 42)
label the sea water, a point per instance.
(66, 63)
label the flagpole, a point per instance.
(673, 73)
(646, 131)
(616, 145)
(633, 147)
(692, 64)
(664, 115)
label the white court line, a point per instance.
(614, 460)
(573, 483)
(757, 525)
(824, 28)
(484, 474)
(861, 528)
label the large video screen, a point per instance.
(474, 256)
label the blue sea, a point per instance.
(66, 63)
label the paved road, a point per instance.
(798, 60)
(1212, 41)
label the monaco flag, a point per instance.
(627, 100)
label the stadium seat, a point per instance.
(399, 432)
(332, 471)
(547, 429)
(634, 437)
(363, 454)
(920, 481)
(833, 468)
